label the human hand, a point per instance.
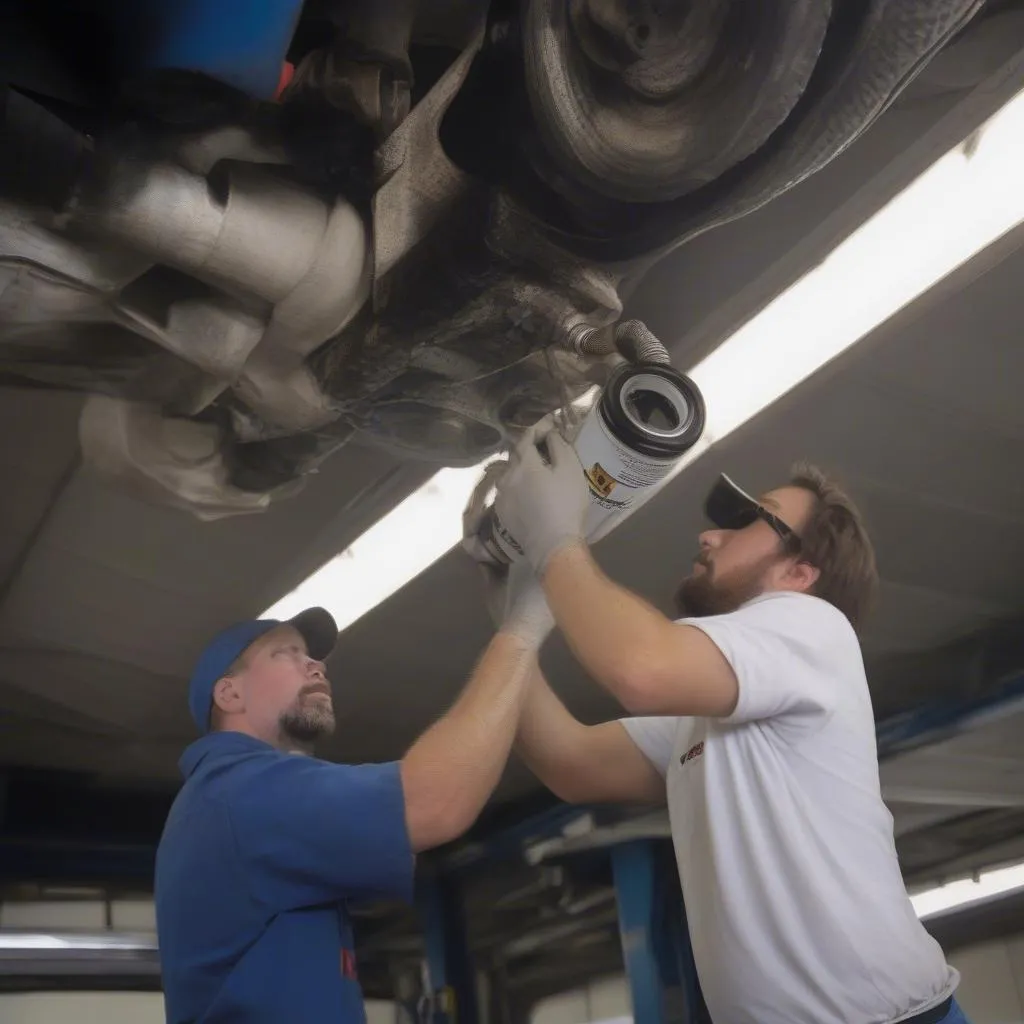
(542, 503)
(515, 594)
(514, 598)
(475, 511)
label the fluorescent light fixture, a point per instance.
(396, 549)
(955, 209)
(997, 882)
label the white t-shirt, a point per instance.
(796, 905)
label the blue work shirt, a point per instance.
(260, 854)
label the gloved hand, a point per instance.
(543, 503)
(514, 598)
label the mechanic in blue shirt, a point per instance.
(265, 845)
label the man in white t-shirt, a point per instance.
(753, 714)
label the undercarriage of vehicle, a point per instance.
(394, 240)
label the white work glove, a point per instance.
(513, 595)
(543, 504)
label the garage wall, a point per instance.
(115, 1008)
(604, 999)
(83, 1008)
(991, 990)
(85, 915)
(992, 981)
(137, 916)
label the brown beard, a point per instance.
(306, 723)
(702, 595)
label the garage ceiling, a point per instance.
(105, 601)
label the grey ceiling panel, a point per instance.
(928, 545)
(103, 613)
(909, 618)
(114, 577)
(38, 447)
(42, 745)
(51, 443)
(108, 693)
(966, 354)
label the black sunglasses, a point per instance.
(729, 507)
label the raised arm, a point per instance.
(451, 770)
(582, 763)
(650, 664)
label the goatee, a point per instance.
(306, 723)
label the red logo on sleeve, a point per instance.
(695, 751)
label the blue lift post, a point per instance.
(655, 939)
(451, 977)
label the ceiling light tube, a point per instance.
(996, 883)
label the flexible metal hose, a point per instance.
(634, 340)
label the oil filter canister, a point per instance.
(647, 417)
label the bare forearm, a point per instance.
(581, 763)
(451, 770)
(612, 632)
(547, 739)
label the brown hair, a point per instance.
(835, 541)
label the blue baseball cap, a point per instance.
(316, 626)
